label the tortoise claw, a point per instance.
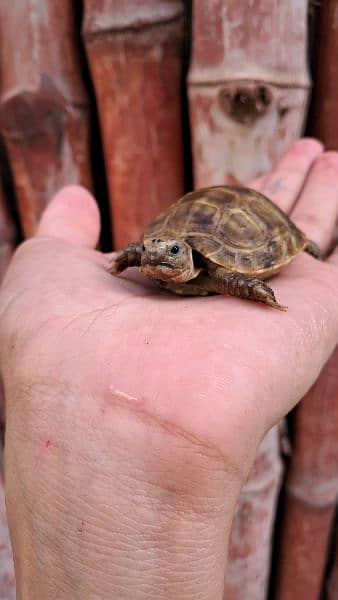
(114, 267)
(264, 293)
(276, 305)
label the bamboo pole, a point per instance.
(322, 122)
(248, 86)
(43, 105)
(7, 234)
(134, 52)
(311, 491)
(332, 586)
(251, 536)
(7, 576)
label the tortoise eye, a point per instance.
(175, 249)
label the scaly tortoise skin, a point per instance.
(220, 239)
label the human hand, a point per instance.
(133, 416)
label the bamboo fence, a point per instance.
(102, 94)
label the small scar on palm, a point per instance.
(122, 395)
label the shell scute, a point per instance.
(241, 229)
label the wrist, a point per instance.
(125, 507)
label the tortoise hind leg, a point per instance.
(242, 286)
(313, 249)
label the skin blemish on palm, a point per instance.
(48, 443)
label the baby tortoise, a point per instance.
(220, 239)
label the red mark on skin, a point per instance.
(49, 443)
(81, 528)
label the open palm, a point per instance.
(216, 372)
(200, 362)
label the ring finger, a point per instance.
(316, 211)
(285, 182)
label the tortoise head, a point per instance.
(168, 259)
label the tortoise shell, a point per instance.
(234, 227)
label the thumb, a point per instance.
(72, 215)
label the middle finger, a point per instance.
(316, 211)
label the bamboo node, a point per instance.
(245, 103)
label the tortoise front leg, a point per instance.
(130, 256)
(249, 288)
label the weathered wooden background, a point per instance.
(141, 100)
